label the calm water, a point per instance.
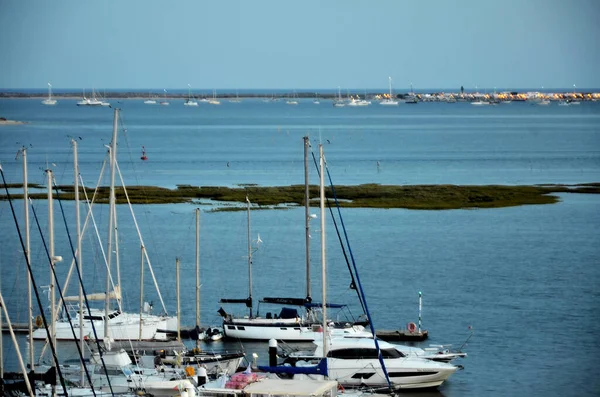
(525, 278)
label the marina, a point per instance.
(479, 270)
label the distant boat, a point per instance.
(49, 101)
(480, 103)
(93, 101)
(236, 99)
(543, 102)
(339, 102)
(150, 100)
(214, 100)
(164, 102)
(144, 157)
(390, 100)
(563, 103)
(316, 100)
(293, 100)
(190, 101)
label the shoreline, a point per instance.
(423, 96)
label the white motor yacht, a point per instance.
(355, 362)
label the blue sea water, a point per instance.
(525, 279)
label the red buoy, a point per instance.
(144, 157)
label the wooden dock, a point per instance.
(402, 335)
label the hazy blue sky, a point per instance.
(300, 44)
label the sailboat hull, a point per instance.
(124, 326)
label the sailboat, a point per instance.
(236, 99)
(293, 100)
(150, 100)
(390, 100)
(93, 101)
(214, 100)
(164, 102)
(316, 101)
(116, 323)
(49, 101)
(190, 101)
(339, 102)
(289, 324)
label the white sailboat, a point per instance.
(190, 101)
(293, 100)
(289, 324)
(390, 100)
(150, 100)
(236, 99)
(93, 101)
(115, 323)
(339, 102)
(164, 102)
(214, 100)
(49, 101)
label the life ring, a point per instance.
(38, 321)
(412, 327)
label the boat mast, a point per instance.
(249, 261)
(79, 254)
(197, 274)
(323, 261)
(307, 217)
(28, 258)
(113, 156)
(52, 258)
(141, 290)
(178, 301)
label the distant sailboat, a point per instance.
(165, 102)
(190, 101)
(236, 99)
(214, 100)
(144, 157)
(390, 100)
(293, 100)
(49, 101)
(93, 101)
(150, 100)
(316, 100)
(339, 102)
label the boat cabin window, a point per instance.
(362, 353)
(100, 318)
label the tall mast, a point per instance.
(323, 260)
(28, 259)
(197, 274)
(113, 156)
(178, 302)
(51, 249)
(249, 260)
(307, 217)
(79, 254)
(141, 291)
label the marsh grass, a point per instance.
(422, 197)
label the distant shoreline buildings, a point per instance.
(433, 96)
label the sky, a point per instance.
(300, 44)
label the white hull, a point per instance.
(125, 326)
(288, 330)
(402, 374)
(49, 102)
(388, 102)
(190, 103)
(150, 102)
